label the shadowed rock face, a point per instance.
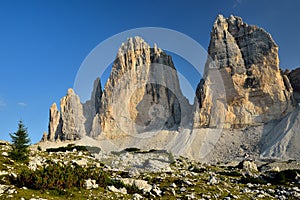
(142, 92)
(294, 78)
(244, 59)
(91, 108)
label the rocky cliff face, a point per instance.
(142, 93)
(91, 108)
(294, 78)
(72, 117)
(244, 59)
(55, 123)
(242, 86)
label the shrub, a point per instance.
(70, 147)
(132, 189)
(52, 176)
(56, 176)
(93, 149)
(284, 177)
(251, 179)
(230, 173)
(196, 169)
(132, 149)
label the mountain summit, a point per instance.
(244, 60)
(239, 101)
(146, 80)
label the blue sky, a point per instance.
(43, 43)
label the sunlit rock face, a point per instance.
(242, 84)
(75, 119)
(68, 123)
(72, 117)
(54, 128)
(142, 93)
(142, 105)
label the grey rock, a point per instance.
(4, 154)
(137, 196)
(14, 175)
(241, 78)
(90, 184)
(81, 162)
(72, 117)
(190, 196)
(282, 141)
(3, 188)
(55, 123)
(37, 199)
(189, 183)
(12, 191)
(173, 191)
(141, 184)
(3, 173)
(173, 185)
(213, 180)
(68, 123)
(249, 166)
(156, 190)
(147, 81)
(116, 190)
(294, 77)
(45, 137)
(296, 189)
(91, 108)
(183, 189)
(35, 162)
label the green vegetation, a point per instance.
(20, 143)
(71, 147)
(57, 176)
(251, 179)
(62, 174)
(284, 177)
(132, 149)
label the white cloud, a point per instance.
(22, 104)
(236, 3)
(2, 103)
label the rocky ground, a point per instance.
(154, 174)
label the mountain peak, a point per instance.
(133, 44)
(248, 66)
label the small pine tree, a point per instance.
(20, 144)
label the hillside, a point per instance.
(74, 172)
